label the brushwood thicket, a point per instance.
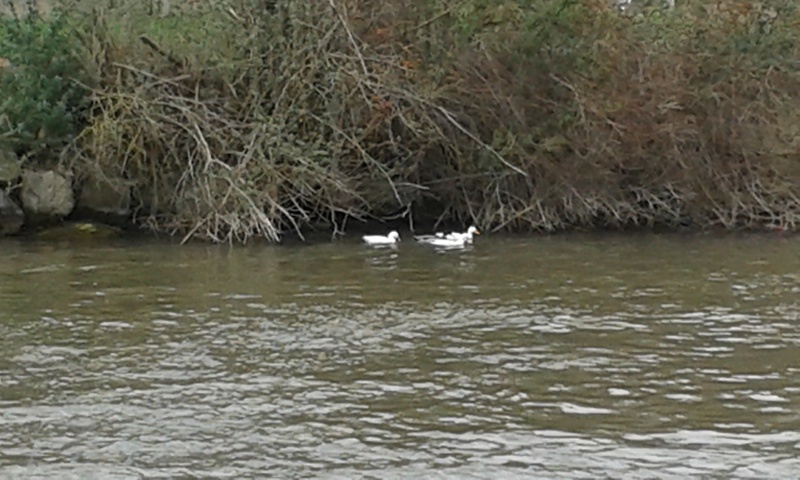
(240, 119)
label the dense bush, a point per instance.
(41, 98)
(514, 114)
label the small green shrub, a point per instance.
(40, 100)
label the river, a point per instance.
(575, 356)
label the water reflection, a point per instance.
(575, 357)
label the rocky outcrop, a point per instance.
(10, 168)
(11, 216)
(105, 201)
(46, 194)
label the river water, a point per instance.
(637, 356)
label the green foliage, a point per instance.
(540, 31)
(40, 102)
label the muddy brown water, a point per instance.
(637, 356)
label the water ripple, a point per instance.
(441, 371)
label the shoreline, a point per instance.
(79, 231)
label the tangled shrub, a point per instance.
(516, 114)
(668, 117)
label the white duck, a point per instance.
(390, 239)
(467, 236)
(449, 239)
(444, 241)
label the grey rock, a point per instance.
(10, 167)
(11, 216)
(47, 193)
(105, 200)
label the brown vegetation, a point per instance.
(559, 115)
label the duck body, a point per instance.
(467, 236)
(452, 239)
(430, 238)
(447, 242)
(391, 239)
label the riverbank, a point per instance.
(228, 124)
